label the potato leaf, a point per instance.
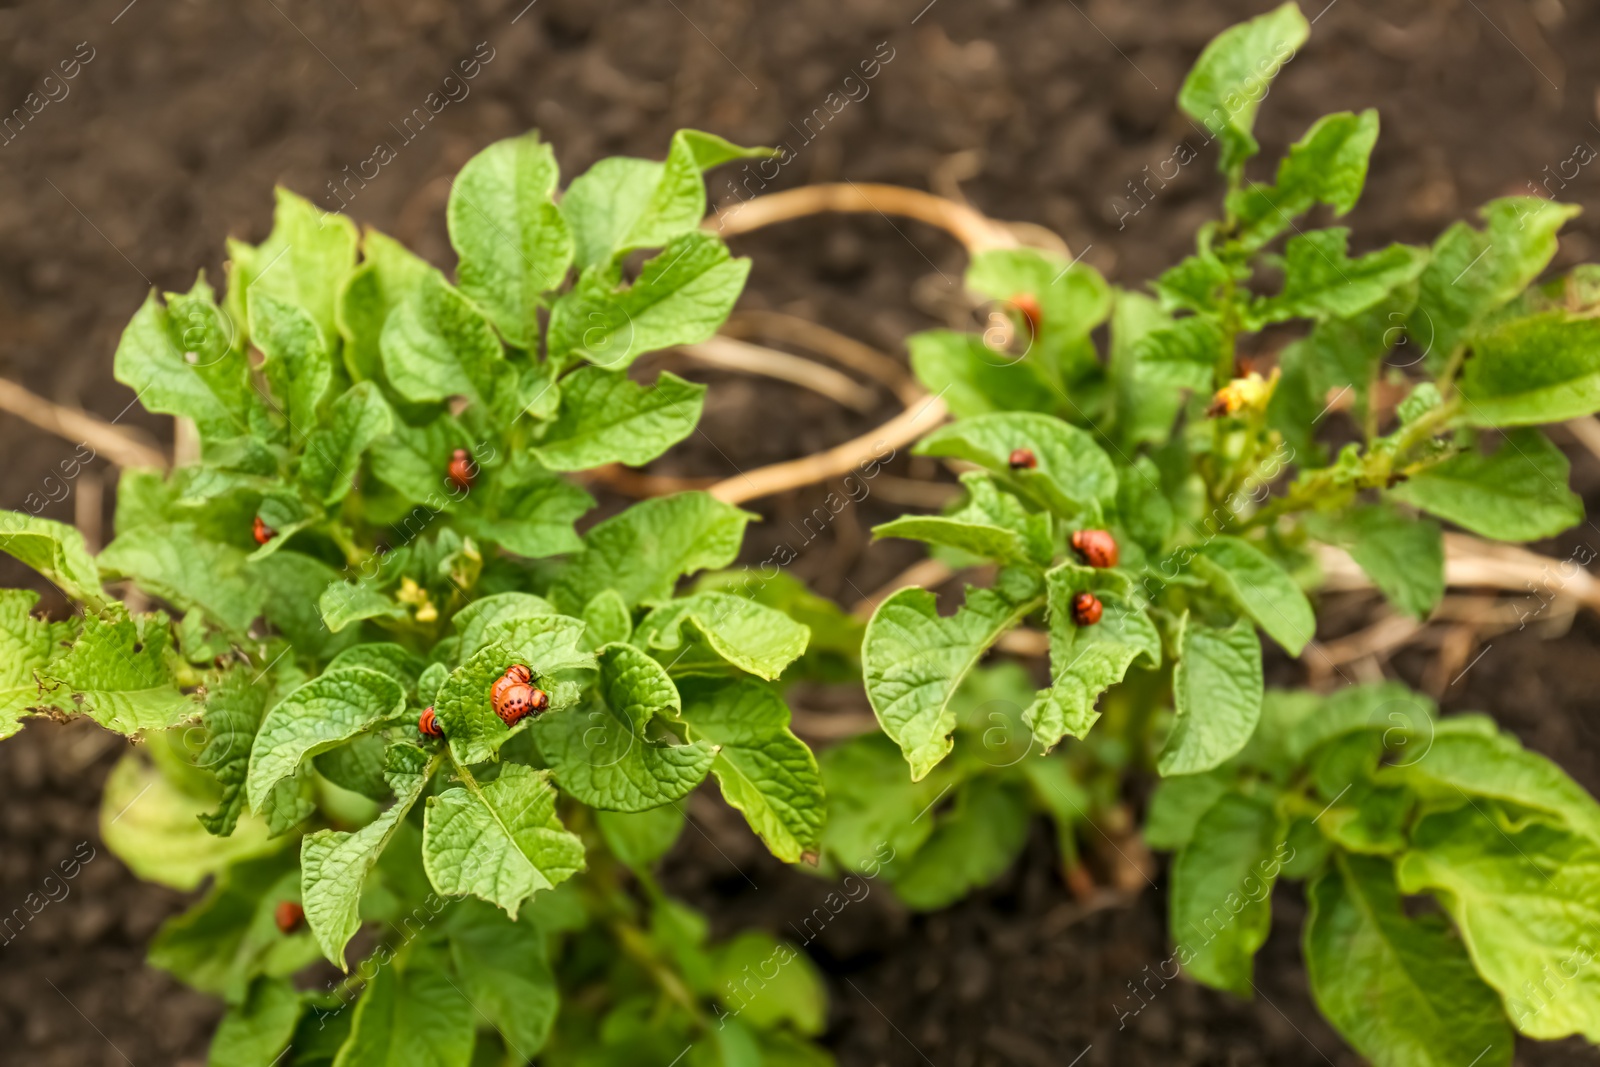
(764, 770)
(1232, 76)
(324, 712)
(913, 660)
(513, 242)
(1517, 493)
(1217, 689)
(1221, 907)
(1401, 990)
(500, 841)
(334, 864)
(606, 418)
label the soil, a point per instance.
(181, 116)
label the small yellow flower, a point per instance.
(1249, 393)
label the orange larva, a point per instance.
(1097, 548)
(263, 533)
(461, 471)
(289, 916)
(1023, 459)
(1086, 609)
(1028, 305)
(519, 701)
(428, 723)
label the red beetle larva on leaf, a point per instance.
(1023, 459)
(428, 723)
(516, 674)
(1097, 548)
(461, 471)
(1028, 306)
(1086, 609)
(519, 701)
(289, 915)
(263, 533)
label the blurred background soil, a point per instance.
(184, 113)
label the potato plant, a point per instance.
(1152, 501)
(306, 626)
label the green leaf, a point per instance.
(1086, 660)
(1232, 76)
(506, 975)
(175, 563)
(1177, 805)
(334, 864)
(1216, 689)
(333, 452)
(1526, 902)
(27, 645)
(500, 841)
(1321, 281)
(1326, 166)
(913, 660)
(343, 603)
(385, 657)
(1222, 891)
(255, 1033)
(1073, 477)
(1182, 355)
(970, 847)
(1518, 493)
(747, 634)
(1531, 370)
(546, 644)
(234, 707)
(678, 203)
(299, 364)
(794, 994)
(437, 345)
(640, 838)
(525, 509)
(151, 824)
(764, 770)
(416, 1017)
(680, 297)
(1251, 580)
(603, 203)
(305, 260)
(1400, 990)
(1496, 766)
(1300, 723)
(642, 552)
(230, 937)
(513, 242)
(118, 674)
(606, 418)
(324, 712)
(874, 808)
(55, 550)
(1073, 297)
(606, 754)
(991, 524)
(389, 275)
(606, 619)
(974, 379)
(154, 360)
(1144, 410)
(474, 621)
(415, 459)
(1474, 272)
(1402, 554)
(356, 765)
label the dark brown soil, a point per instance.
(170, 137)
